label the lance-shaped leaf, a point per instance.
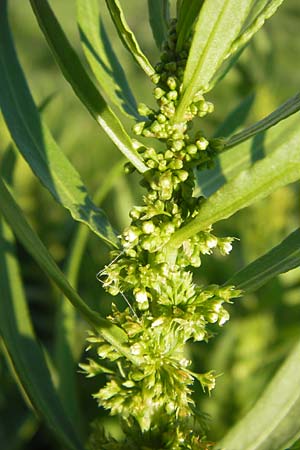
(37, 145)
(82, 85)
(187, 15)
(25, 234)
(159, 18)
(260, 11)
(218, 24)
(221, 33)
(282, 112)
(102, 58)
(127, 36)
(280, 259)
(277, 169)
(273, 422)
(230, 163)
(25, 353)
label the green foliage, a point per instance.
(153, 359)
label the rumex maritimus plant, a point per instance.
(150, 379)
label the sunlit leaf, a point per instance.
(127, 36)
(277, 169)
(37, 145)
(82, 85)
(280, 259)
(282, 112)
(273, 422)
(100, 54)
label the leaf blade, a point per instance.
(83, 87)
(280, 259)
(158, 16)
(127, 36)
(291, 106)
(277, 169)
(102, 58)
(272, 424)
(37, 145)
(215, 30)
(26, 355)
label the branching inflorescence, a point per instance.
(167, 309)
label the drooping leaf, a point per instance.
(127, 36)
(273, 422)
(221, 33)
(25, 234)
(82, 85)
(187, 14)
(102, 58)
(285, 110)
(25, 353)
(159, 17)
(230, 163)
(280, 259)
(277, 169)
(37, 145)
(68, 345)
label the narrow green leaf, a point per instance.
(277, 169)
(25, 353)
(37, 145)
(158, 16)
(82, 85)
(230, 163)
(102, 58)
(280, 259)
(285, 110)
(187, 15)
(273, 422)
(14, 217)
(218, 24)
(127, 36)
(260, 11)
(68, 346)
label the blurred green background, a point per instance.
(263, 326)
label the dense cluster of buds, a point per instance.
(166, 309)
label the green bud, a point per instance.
(172, 95)
(138, 128)
(155, 127)
(148, 227)
(176, 164)
(161, 118)
(182, 175)
(171, 66)
(202, 143)
(158, 93)
(178, 145)
(169, 154)
(144, 110)
(155, 78)
(129, 168)
(192, 149)
(172, 83)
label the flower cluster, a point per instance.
(166, 309)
